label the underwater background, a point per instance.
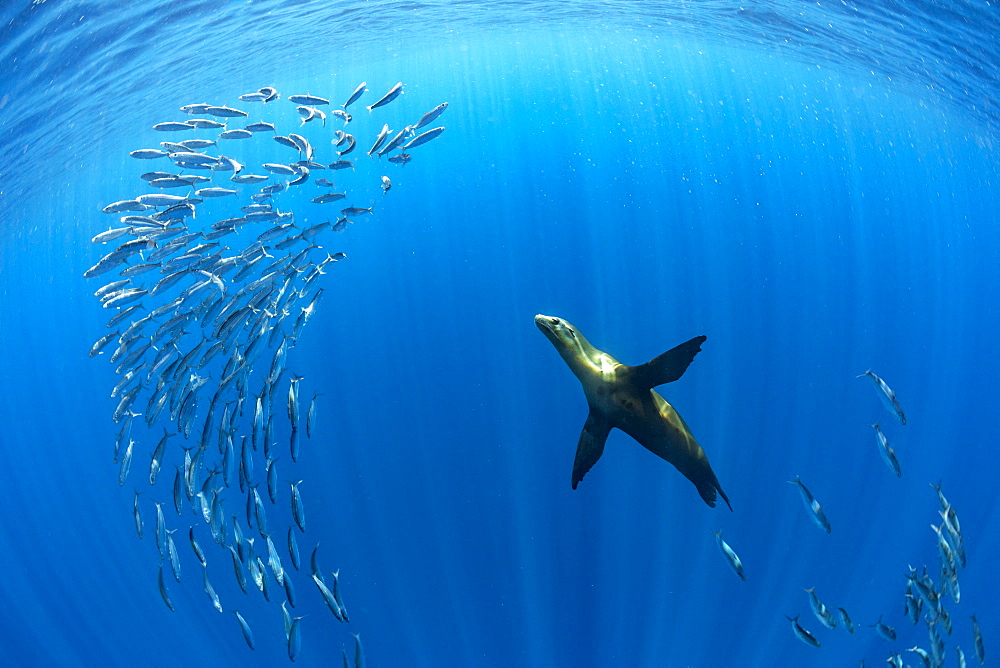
(810, 185)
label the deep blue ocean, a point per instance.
(813, 186)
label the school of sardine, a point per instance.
(205, 313)
(923, 599)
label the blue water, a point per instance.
(812, 187)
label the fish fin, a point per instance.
(591, 446)
(669, 366)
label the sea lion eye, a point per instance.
(554, 321)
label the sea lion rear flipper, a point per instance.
(669, 366)
(591, 447)
(708, 485)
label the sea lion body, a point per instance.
(621, 396)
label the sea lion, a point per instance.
(622, 396)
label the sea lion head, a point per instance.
(568, 340)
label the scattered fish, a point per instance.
(431, 116)
(727, 552)
(887, 396)
(355, 95)
(245, 628)
(888, 454)
(822, 612)
(393, 93)
(311, 100)
(802, 634)
(812, 505)
(422, 138)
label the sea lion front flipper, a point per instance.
(591, 447)
(668, 367)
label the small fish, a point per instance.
(342, 164)
(173, 556)
(195, 108)
(423, 138)
(359, 652)
(977, 637)
(822, 612)
(163, 589)
(126, 462)
(254, 97)
(355, 211)
(286, 141)
(274, 561)
(238, 569)
(310, 100)
(395, 141)
(193, 158)
(845, 619)
(812, 505)
(195, 144)
(336, 595)
(102, 343)
(173, 147)
(245, 628)
(172, 182)
(157, 461)
(124, 205)
(289, 590)
(294, 443)
(351, 143)
(727, 552)
(148, 153)
(283, 170)
(393, 93)
(293, 548)
(314, 563)
(174, 126)
(110, 235)
(294, 638)
(801, 633)
(311, 415)
(342, 115)
(887, 396)
(400, 158)
(197, 548)
(210, 590)
(310, 113)
(924, 656)
(888, 454)
(885, 630)
(298, 509)
(214, 192)
(272, 480)
(302, 177)
(431, 115)
(386, 184)
(328, 197)
(207, 123)
(178, 497)
(236, 133)
(262, 126)
(225, 112)
(355, 95)
(248, 178)
(378, 140)
(961, 657)
(137, 515)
